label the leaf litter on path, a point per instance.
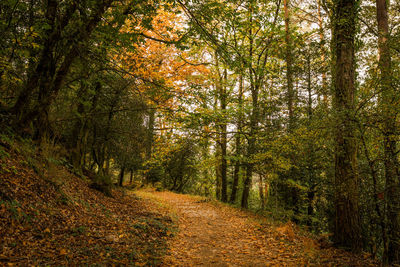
(215, 234)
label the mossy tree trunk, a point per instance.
(388, 110)
(347, 232)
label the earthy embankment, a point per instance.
(50, 217)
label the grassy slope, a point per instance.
(49, 216)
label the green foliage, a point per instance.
(174, 167)
(103, 184)
(96, 114)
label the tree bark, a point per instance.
(218, 179)
(222, 127)
(224, 183)
(388, 109)
(261, 191)
(251, 148)
(150, 133)
(254, 118)
(121, 176)
(238, 144)
(131, 176)
(347, 231)
(289, 65)
(323, 55)
(218, 174)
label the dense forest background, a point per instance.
(286, 107)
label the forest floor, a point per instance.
(216, 234)
(51, 217)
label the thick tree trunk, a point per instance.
(347, 221)
(388, 109)
(45, 67)
(235, 182)
(251, 143)
(247, 185)
(251, 148)
(79, 131)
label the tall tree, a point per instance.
(324, 90)
(347, 230)
(289, 64)
(254, 116)
(224, 140)
(389, 115)
(221, 86)
(238, 140)
(50, 71)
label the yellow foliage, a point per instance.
(160, 63)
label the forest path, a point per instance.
(215, 234)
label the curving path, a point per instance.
(214, 234)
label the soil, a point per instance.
(216, 234)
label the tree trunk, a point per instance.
(206, 172)
(251, 149)
(121, 176)
(261, 191)
(49, 74)
(310, 205)
(107, 164)
(45, 67)
(254, 117)
(149, 138)
(247, 185)
(311, 150)
(150, 133)
(218, 174)
(238, 147)
(224, 183)
(388, 109)
(222, 128)
(79, 131)
(289, 65)
(131, 177)
(218, 179)
(347, 231)
(323, 55)
(379, 213)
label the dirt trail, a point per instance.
(213, 234)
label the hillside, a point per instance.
(53, 217)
